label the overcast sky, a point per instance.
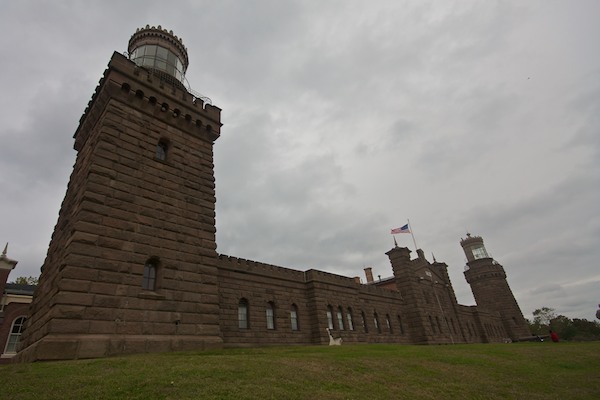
(343, 119)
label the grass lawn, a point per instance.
(490, 371)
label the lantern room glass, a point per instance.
(160, 58)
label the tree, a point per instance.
(29, 280)
(564, 327)
(577, 329)
(543, 316)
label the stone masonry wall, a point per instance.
(312, 292)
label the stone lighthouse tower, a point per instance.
(131, 265)
(490, 288)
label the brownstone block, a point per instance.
(158, 346)
(103, 288)
(106, 301)
(129, 328)
(83, 299)
(67, 311)
(163, 329)
(73, 285)
(110, 277)
(56, 349)
(68, 326)
(100, 313)
(80, 260)
(93, 347)
(103, 327)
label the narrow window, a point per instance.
(437, 320)
(431, 322)
(388, 323)
(364, 322)
(149, 277)
(294, 318)
(270, 315)
(349, 319)
(161, 149)
(340, 318)
(243, 314)
(400, 325)
(329, 317)
(15, 335)
(376, 322)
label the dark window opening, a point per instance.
(349, 319)
(376, 322)
(329, 317)
(243, 322)
(294, 318)
(364, 322)
(270, 313)
(340, 318)
(161, 149)
(149, 277)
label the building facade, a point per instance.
(132, 265)
(14, 305)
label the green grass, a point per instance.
(490, 371)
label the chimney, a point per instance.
(369, 274)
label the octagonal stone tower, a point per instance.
(131, 265)
(490, 288)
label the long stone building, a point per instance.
(132, 264)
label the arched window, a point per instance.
(294, 318)
(376, 322)
(243, 314)
(388, 322)
(15, 335)
(364, 322)
(270, 315)
(149, 278)
(329, 317)
(161, 149)
(400, 325)
(340, 318)
(349, 319)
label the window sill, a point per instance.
(151, 295)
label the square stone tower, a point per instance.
(131, 265)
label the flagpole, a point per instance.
(412, 234)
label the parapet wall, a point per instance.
(248, 266)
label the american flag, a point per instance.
(402, 229)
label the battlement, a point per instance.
(259, 268)
(471, 239)
(128, 82)
(322, 276)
